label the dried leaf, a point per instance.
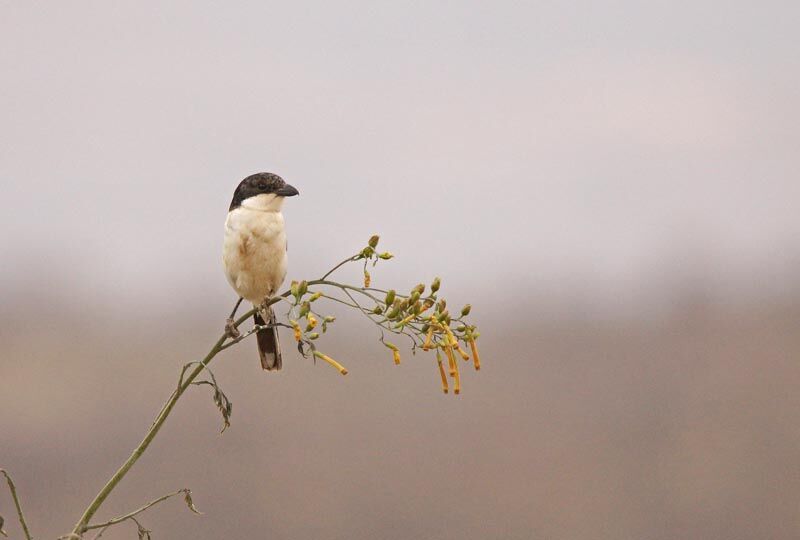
(144, 534)
(187, 496)
(224, 405)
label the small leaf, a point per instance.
(187, 496)
(144, 534)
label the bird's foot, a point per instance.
(230, 329)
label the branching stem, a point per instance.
(82, 525)
(130, 515)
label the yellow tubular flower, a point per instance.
(407, 320)
(476, 359)
(441, 372)
(454, 343)
(331, 361)
(456, 375)
(427, 345)
(451, 360)
(464, 356)
(298, 334)
(396, 355)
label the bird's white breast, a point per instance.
(254, 252)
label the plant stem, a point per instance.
(185, 383)
(16, 503)
(80, 526)
(129, 515)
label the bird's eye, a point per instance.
(262, 186)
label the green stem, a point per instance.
(80, 526)
(16, 503)
(94, 506)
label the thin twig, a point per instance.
(335, 268)
(14, 496)
(129, 515)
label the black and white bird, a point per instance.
(254, 253)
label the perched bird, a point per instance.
(254, 253)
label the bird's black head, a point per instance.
(261, 184)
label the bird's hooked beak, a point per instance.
(287, 191)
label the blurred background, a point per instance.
(612, 185)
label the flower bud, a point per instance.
(294, 290)
(414, 297)
(329, 318)
(385, 256)
(312, 335)
(377, 310)
(441, 305)
(390, 297)
(367, 279)
(302, 287)
(373, 240)
(465, 310)
(315, 296)
(305, 307)
(420, 288)
(312, 322)
(436, 284)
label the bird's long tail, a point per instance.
(269, 348)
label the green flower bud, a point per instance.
(385, 255)
(390, 297)
(302, 288)
(329, 318)
(294, 289)
(312, 335)
(441, 305)
(465, 310)
(436, 284)
(305, 307)
(420, 288)
(315, 296)
(414, 297)
(377, 310)
(373, 240)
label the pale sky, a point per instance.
(601, 152)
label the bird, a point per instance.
(254, 255)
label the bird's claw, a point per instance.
(230, 329)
